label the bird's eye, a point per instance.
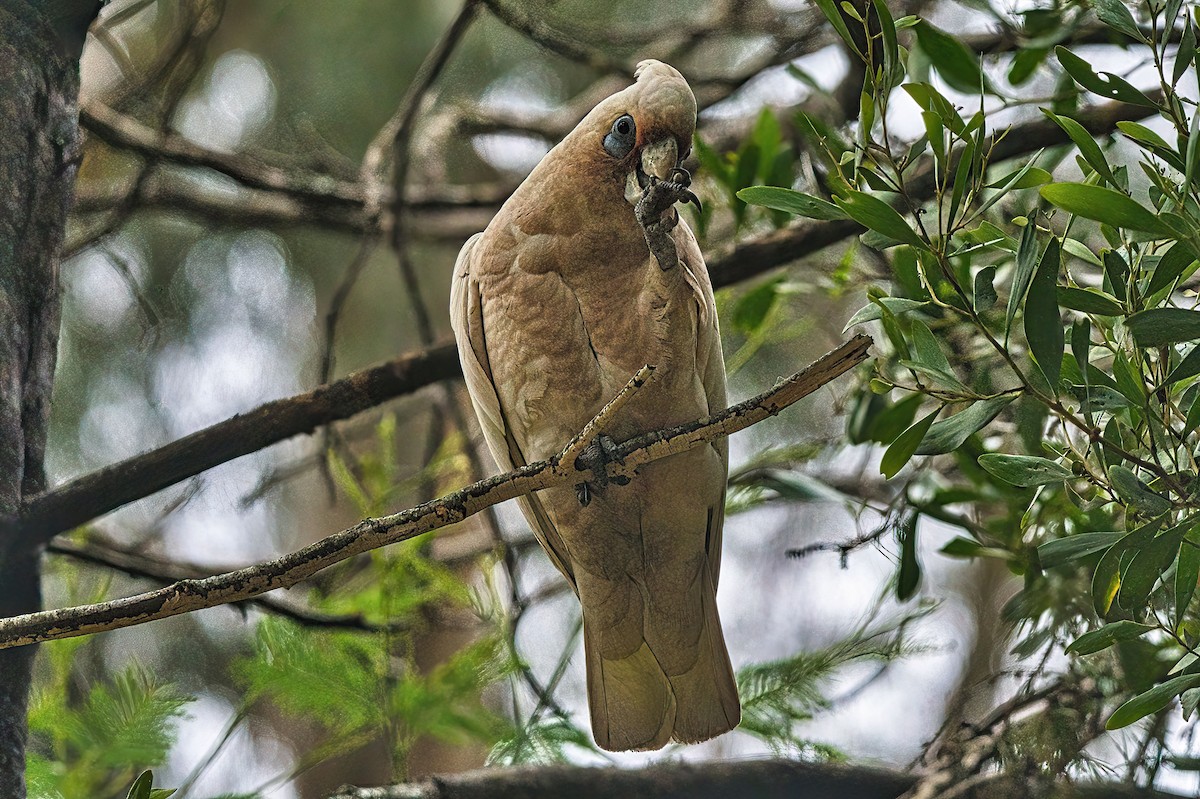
(621, 138)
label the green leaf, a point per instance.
(926, 349)
(950, 434)
(893, 71)
(1186, 52)
(909, 576)
(1158, 327)
(1104, 84)
(1024, 63)
(1151, 701)
(930, 99)
(1025, 471)
(1027, 252)
(141, 786)
(1043, 325)
(1135, 493)
(874, 309)
(753, 307)
(1089, 301)
(957, 65)
(1063, 550)
(1170, 266)
(1115, 15)
(874, 213)
(1188, 367)
(985, 289)
(1086, 143)
(1187, 572)
(894, 420)
(792, 202)
(1104, 205)
(1106, 636)
(905, 446)
(959, 547)
(1117, 271)
(839, 24)
(1147, 566)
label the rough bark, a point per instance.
(761, 779)
(40, 44)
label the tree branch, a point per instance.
(762, 779)
(95, 494)
(189, 595)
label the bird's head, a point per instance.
(644, 131)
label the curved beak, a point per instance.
(660, 157)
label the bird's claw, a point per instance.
(660, 195)
(596, 457)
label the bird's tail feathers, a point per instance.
(635, 705)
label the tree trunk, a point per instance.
(40, 42)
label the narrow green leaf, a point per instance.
(1081, 344)
(909, 576)
(1186, 52)
(1151, 701)
(984, 295)
(1106, 580)
(1027, 252)
(1088, 301)
(905, 446)
(1043, 325)
(930, 99)
(752, 308)
(1104, 84)
(957, 65)
(1086, 143)
(1170, 266)
(1137, 494)
(874, 213)
(1142, 134)
(1117, 271)
(926, 349)
(1188, 367)
(1106, 636)
(1025, 471)
(1115, 15)
(792, 202)
(893, 69)
(873, 310)
(1148, 565)
(839, 24)
(141, 786)
(1187, 572)
(1158, 327)
(1063, 550)
(894, 420)
(950, 434)
(1104, 205)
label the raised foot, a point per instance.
(657, 198)
(596, 457)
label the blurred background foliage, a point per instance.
(193, 295)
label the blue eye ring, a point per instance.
(621, 137)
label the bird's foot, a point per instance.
(596, 457)
(657, 198)
(660, 195)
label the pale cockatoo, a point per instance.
(555, 306)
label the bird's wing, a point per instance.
(711, 363)
(466, 318)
